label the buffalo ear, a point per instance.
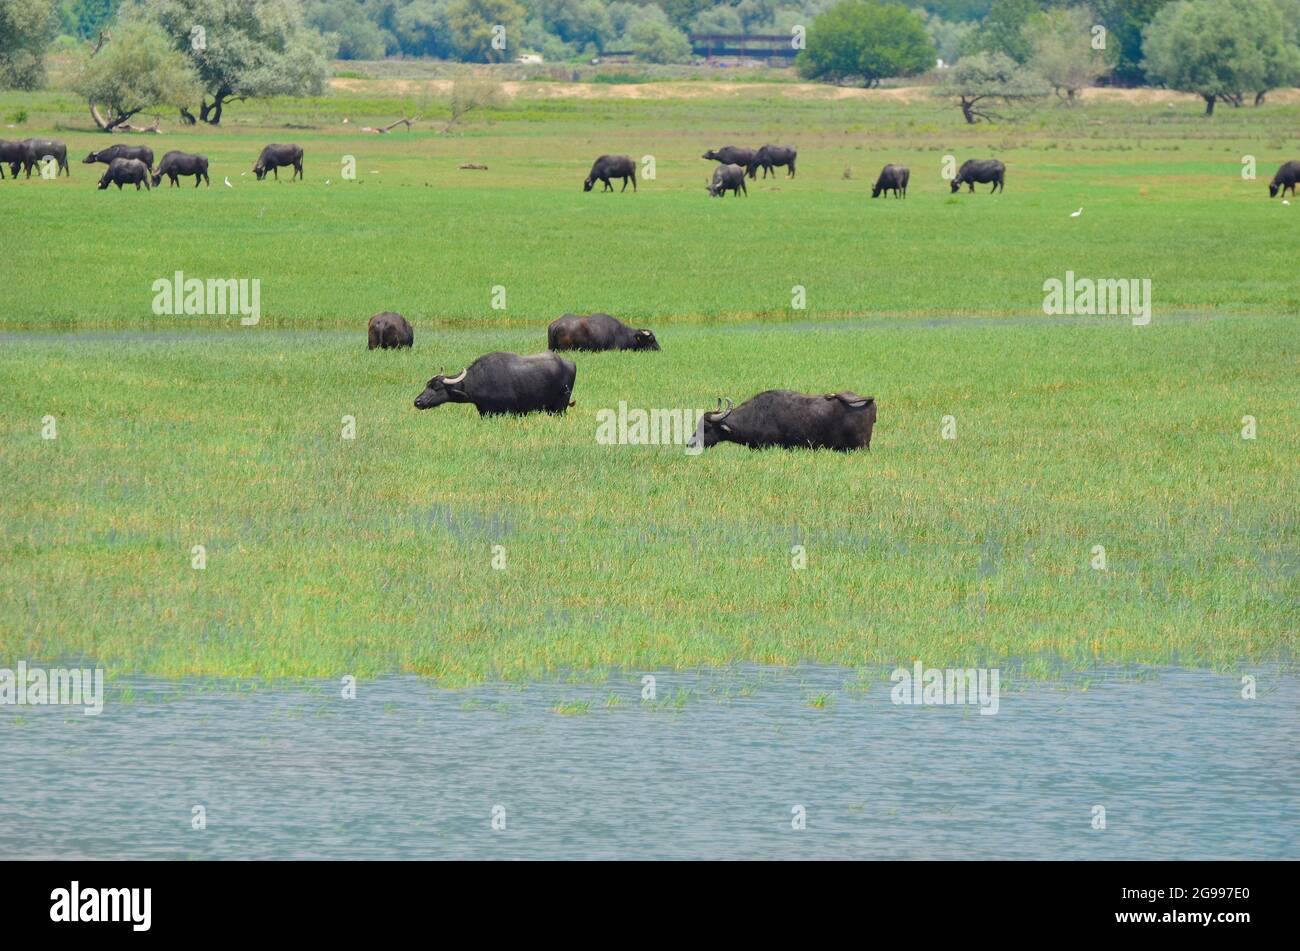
(725, 428)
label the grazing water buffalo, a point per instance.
(980, 170)
(728, 177)
(176, 164)
(1285, 178)
(275, 157)
(125, 171)
(389, 331)
(611, 166)
(790, 420)
(106, 156)
(506, 383)
(892, 178)
(36, 150)
(597, 332)
(731, 155)
(770, 156)
(11, 154)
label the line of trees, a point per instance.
(199, 56)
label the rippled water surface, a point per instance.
(714, 767)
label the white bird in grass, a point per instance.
(1285, 202)
(228, 185)
(1076, 214)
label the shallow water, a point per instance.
(1183, 766)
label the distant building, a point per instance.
(530, 59)
(769, 47)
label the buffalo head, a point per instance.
(712, 428)
(587, 183)
(157, 179)
(1272, 190)
(956, 183)
(90, 159)
(644, 340)
(439, 390)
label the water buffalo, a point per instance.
(506, 383)
(37, 150)
(892, 178)
(389, 331)
(106, 156)
(728, 177)
(840, 421)
(611, 166)
(731, 155)
(125, 171)
(1285, 178)
(275, 157)
(11, 154)
(980, 170)
(772, 155)
(176, 164)
(597, 332)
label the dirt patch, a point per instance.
(734, 90)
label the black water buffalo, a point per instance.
(11, 154)
(389, 331)
(770, 156)
(36, 151)
(106, 156)
(275, 157)
(125, 171)
(892, 178)
(506, 383)
(980, 170)
(728, 177)
(176, 164)
(731, 155)
(597, 332)
(611, 166)
(790, 420)
(1285, 178)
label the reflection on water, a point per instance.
(1183, 766)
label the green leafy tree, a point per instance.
(1124, 21)
(984, 80)
(1218, 49)
(1065, 51)
(26, 29)
(138, 68)
(86, 18)
(472, 24)
(1003, 29)
(352, 35)
(864, 42)
(654, 41)
(247, 49)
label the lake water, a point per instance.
(714, 767)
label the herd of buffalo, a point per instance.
(509, 383)
(498, 383)
(133, 165)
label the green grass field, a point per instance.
(328, 555)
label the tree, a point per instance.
(246, 49)
(1003, 29)
(864, 41)
(1124, 21)
(475, 24)
(980, 80)
(1218, 48)
(1063, 50)
(654, 41)
(353, 36)
(26, 29)
(133, 70)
